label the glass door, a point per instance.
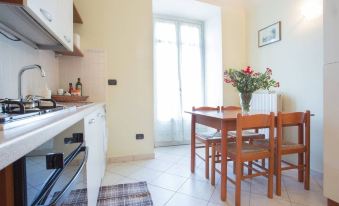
(178, 78)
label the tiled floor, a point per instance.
(172, 184)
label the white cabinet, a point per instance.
(95, 138)
(331, 31)
(56, 16)
(65, 23)
(331, 135)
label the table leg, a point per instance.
(193, 143)
(223, 162)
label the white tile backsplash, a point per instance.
(14, 56)
(92, 71)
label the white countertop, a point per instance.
(17, 142)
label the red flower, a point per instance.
(269, 70)
(248, 70)
(256, 74)
(277, 84)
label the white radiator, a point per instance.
(266, 102)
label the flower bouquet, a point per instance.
(247, 81)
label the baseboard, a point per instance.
(332, 203)
(129, 158)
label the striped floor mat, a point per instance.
(132, 194)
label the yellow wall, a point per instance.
(124, 29)
(297, 61)
(234, 42)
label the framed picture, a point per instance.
(269, 35)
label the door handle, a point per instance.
(92, 121)
(46, 14)
(67, 38)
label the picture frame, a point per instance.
(269, 34)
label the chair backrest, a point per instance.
(227, 108)
(258, 121)
(205, 108)
(299, 119)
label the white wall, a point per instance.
(14, 56)
(297, 61)
(91, 69)
(234, 42)
(123, 28)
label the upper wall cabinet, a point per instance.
(44, 24)
(331, 31)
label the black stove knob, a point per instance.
(76, 138)
(54, 161)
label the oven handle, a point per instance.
(49, 184)
(48, 187)
(85, 149)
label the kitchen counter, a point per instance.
(17, 142)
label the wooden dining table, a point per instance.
(221, 120)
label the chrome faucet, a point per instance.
(34, 66)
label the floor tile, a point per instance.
(245, 198)
(179, 170)
(198, 189)
(156, 164)
(259, 200)
(308, 198)
(124, 169)
(145, 174)
(185, 200)
(159, 195)
(171, 182)
(110, 179)
(167, 181)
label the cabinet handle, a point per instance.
(47, 15)
(67, 39)
(92, 121)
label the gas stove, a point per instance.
(16, 110)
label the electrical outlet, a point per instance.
(139, 136)
(112, 82)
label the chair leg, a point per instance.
(250, 165)
(307, 171)
(213, 165)
(238, 173)
(207, 160)
(301, 167)
(270, 177)
(278, 174)
(263, 163)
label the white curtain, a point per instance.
(178, 78)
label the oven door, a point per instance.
(65, 182)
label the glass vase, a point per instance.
(245, 101)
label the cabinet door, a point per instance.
(331, 139)
(93, 164)
(331, 31)
(45, 12)
(56, 16)
(65, 23)
(102, 139)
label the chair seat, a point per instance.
(208, 137)
(284, 146)
(247, 149)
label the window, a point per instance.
(178, 76)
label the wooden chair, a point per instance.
(248, 136)
(302, 147)
(207, 140)
(241, 152)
